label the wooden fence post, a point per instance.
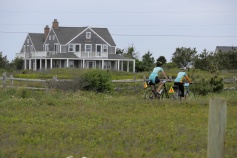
(11, 80)
(216, 128)
(55, 78)
(4, 79)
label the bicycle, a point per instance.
(152, 94)
(187, 93)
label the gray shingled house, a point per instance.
(79, 47)
(225, 48)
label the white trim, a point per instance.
(88, 35)
(90, 48)
(101, 48)
(105, 45)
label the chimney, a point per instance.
(55, 24)
(46, 31)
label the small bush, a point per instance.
(216, 84)
(98, 80)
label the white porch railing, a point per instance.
(93, 55)
(20, 55)
(39, 54)
(78, 54)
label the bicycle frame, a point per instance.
(177, 92)
(152, 94)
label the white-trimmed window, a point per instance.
(56, 47)
(99, 48)
(49, 37)
(105, 48)
(31, 48)
(74, 47)
(90, 64)
(27, 48)
(77, 47)
(27, 41)
(24, 48)
(88, 35)
(88, 48)
(46, 47)
(71, 63)
(70, 48)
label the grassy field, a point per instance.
(121, 124)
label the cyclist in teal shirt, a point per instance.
(179, 81)
(154, 76)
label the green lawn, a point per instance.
(61, 124)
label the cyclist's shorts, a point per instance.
(155, 79)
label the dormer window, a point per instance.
(49, 37)
(88, 35)
(28, 41)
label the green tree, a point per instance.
(148, 61)
(4, 63)
(130, 53)
(17, 64)
(119, 51)
(203, 60)
(184, 56)
(139, 66)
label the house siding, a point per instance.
(27, 46)
(51, 42)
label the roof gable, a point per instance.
(37, 40)
(65, 34)
(105, 35)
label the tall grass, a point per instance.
(58, 124)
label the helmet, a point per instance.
(159, 63)
(183, 68)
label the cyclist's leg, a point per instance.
(176, 91)
(160, 84)
(181, 88)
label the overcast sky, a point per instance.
(158, 26)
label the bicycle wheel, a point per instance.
(190, 95)
(175, 95)
(150, 95)
(165, 94)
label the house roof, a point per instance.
(104, 33)
(65, 34)
(225, 48)
(37, 40)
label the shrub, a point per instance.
(98, 80)
(216, 84)
(201, 87)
